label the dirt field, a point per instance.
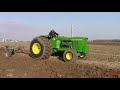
(103, 61)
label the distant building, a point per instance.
(8, 40)
(2, 40)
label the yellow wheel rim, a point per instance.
(81, 56)
(36, 48)
(69, 56)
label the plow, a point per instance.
(42, 47)
(8, 50)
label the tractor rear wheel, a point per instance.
(70, 55)
(40, 48)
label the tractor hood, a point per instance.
(72, 38)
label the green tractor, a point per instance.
(72, 48)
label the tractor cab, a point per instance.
(52, 34)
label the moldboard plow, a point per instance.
(8, 51)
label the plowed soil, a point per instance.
(103, 61)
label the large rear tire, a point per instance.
(40, 48)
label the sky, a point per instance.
(27, 25)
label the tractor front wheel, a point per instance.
(70, 55)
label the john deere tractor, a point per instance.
(72, 48)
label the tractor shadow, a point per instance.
(59, 54)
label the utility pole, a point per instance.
(71, 31)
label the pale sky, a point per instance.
(27, 25)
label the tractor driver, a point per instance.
(53, 34)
